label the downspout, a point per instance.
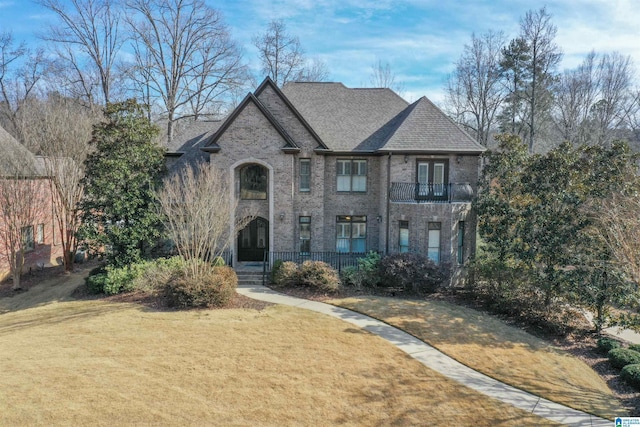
(388, 231)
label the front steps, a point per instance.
(250, 278)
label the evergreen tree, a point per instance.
(121, 176)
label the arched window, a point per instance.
(253, 182)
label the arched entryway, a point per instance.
(253, 240)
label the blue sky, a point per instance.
(421, 39)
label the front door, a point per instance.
(253, 240)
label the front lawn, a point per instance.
(496, 349)
(99, 362)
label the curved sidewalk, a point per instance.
(436, 360)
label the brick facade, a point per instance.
(265, 130)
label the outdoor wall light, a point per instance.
(281, 216)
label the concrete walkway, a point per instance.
(435, 360)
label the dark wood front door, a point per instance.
(253, 240)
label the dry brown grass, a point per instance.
(496, 349)
(104, 363)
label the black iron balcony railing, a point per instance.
(409, 192)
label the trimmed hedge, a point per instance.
(631, 374)
(621, 357)
(605, 345)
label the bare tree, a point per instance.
(474, 90)
(282, 57)
(615, 74)
(198, 210)
(595, 101)
(619, 228)
(22, 203)
(383, 76)
(185, 54)
(575, 94)
(60, 130)
(21, 70)
(89, 37)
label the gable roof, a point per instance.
(212, 143)
(424, 127)
(268, 83)
(343, 117)
(15, 159)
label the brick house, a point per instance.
(27, 210)
(334, 169)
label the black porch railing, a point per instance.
(408, 192)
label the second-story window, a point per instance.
(253, 182)
(432, 179)
(305, 175)
(351, 176)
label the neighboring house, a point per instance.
(26, 211)
(334, 169)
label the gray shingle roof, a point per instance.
(188, 139)
(15, 159)
(423, 126)
(374, 120)
(344, 118)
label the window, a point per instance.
(40, 234)
(253, 182)
(305, 234)
(461, 228)
(433, 248)
(431, 177)
(305, 174)
(403, 241)
(351, 234)
(27, 238)
(352, 175)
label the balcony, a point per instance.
(409, 192)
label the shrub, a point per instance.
(96, 280)
(218, 262)
(366, 274)
(631, 374)
(634, 347)
(113, 280)
(605, 345)
(214, 289)
(284, 273)
(621, 357)
(319, 275)
(277, 265)
(411, 272)
(158, 273)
